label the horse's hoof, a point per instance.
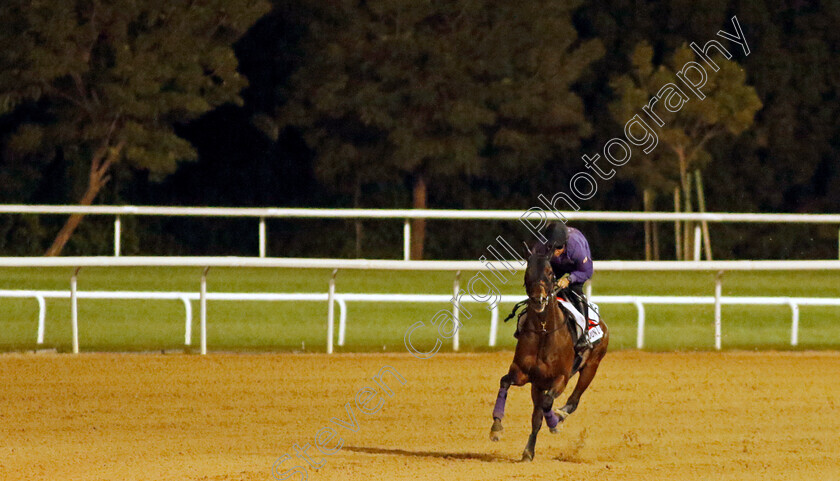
(496, 430)
(554, 430)
(527, 456)
(561, 414)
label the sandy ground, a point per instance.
(675, 416)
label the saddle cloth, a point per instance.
(580, 322)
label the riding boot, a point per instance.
(583, 342)
(582, 307)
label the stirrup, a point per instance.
(583, 343)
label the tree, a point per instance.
(431, 89)
(729, 107)
(115, 76)
(786, 160)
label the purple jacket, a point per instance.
(575, 260)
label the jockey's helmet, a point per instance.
(556, 234)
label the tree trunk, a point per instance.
(651, 228)
(688, 235)
(701, 204)
(656, 241)
(418, 226)
(97, 178)
(357, 196)
(677, 228)
(648, 231)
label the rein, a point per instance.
(517, 308)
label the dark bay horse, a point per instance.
(545, 356)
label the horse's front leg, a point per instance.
(516, 377)
(553, 418)
(536, 423)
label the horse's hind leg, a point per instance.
(516, 377)
(537, 397)
(585, 378)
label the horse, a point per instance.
(545, 356)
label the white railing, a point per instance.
(341, 298)
(638, 301)
(185, 297)
(406, 215)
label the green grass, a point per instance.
(129, 325)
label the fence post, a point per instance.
(456, 304)
(262, 236)
(187, 320)
(406, 240)
(794, 325)
(640, 327)
(718, 277)
(74, 311)
(331, 312)
(203, 304)
(42, 315)
(117, 232)
(494, 324)
(342, 320)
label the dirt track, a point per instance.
(737, 416)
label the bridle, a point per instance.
(540, 302)
(543, 299)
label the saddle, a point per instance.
(573, 316)
(592, 331)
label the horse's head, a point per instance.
(539, 279)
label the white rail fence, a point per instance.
(341, 299)
(332, 297)
(406, 215)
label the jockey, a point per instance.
(571, 256)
